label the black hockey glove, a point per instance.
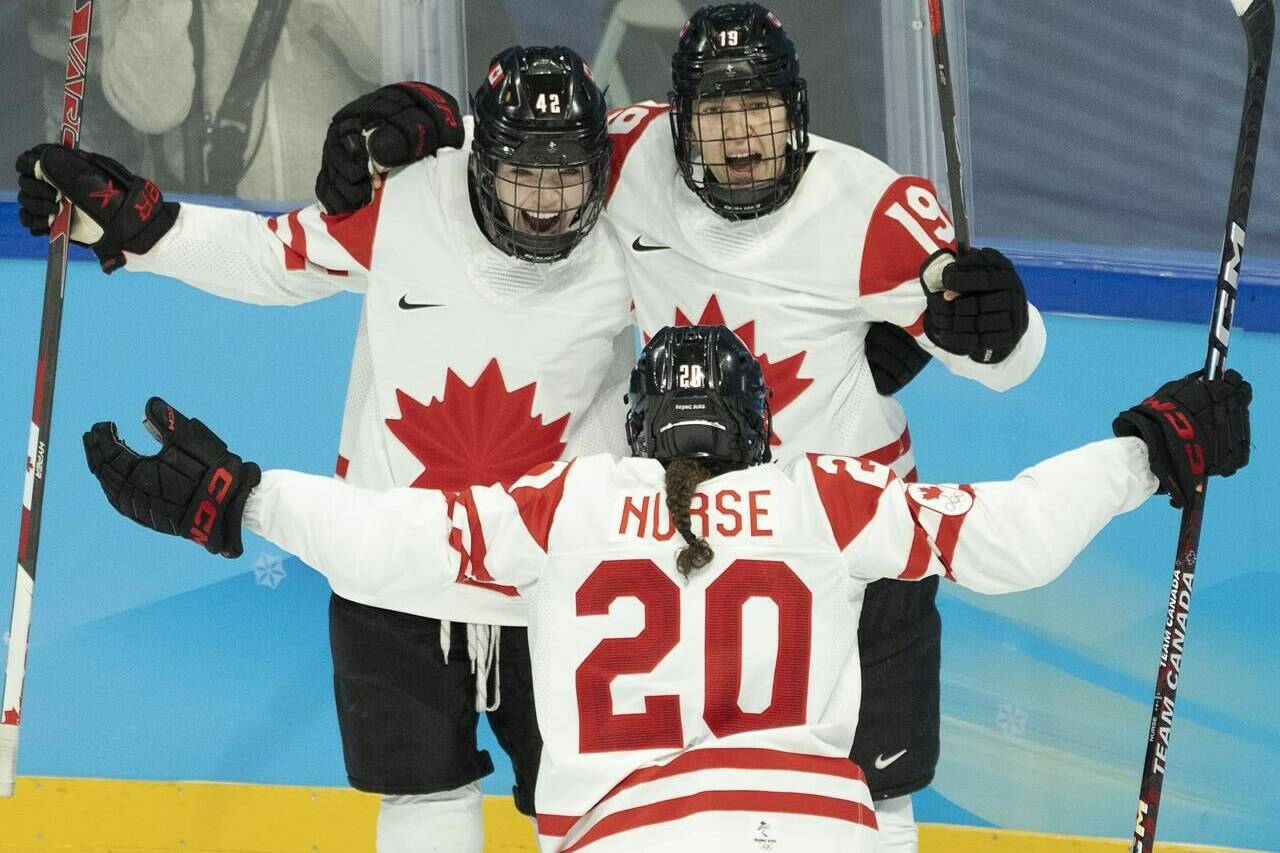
(1193, 429)
(115, 211)
(893, 356)
(194, 487)
(986, 317)
(404, 122)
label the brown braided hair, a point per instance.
(683, 476)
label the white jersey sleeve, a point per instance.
(412, 549)
(991, 537)
(287, 260)
(907, 226)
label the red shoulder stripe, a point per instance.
(538, 502)
(355, 230)
(626, 126)
(849, 502)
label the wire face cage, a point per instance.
(739, 111)
(540, 155)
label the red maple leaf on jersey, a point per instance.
(931, 493)
(783, 377)
(476, 434)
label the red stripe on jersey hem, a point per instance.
(471, 569)
(916, 329)
(717, 759)
(677, 808)
(555, 825)
(743, 759)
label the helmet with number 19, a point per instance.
(739, 110)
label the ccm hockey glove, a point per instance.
(194, 487)
(893, 356)
(115, 211)
(1193, 429)
(989, 315)
(402, 122)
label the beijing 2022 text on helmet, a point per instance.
(739, 110)
(540, 152)
(697, 391)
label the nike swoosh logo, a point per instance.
(882, 762)
(409, 306)
(641, 247)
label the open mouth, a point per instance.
(740, 168)
(540, 223)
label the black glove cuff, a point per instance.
(233, 543)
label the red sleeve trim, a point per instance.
(916, 329)
(538, 504)
(471, 570)
(949, 533)
(341, 468)
(892, 451)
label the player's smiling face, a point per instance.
(743, 137)
(539, 200)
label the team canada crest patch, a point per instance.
(941, 499)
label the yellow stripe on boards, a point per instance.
(110, 816)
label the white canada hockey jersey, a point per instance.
(713, 712)
(470, 367)
(799, 286)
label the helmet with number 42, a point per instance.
(540, 153)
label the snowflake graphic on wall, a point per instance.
(269, 571)
(1012, 720)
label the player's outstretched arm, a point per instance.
(392, 126)
(401, 549)
(236, 254)
(1015, 535)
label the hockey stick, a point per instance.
(950, 142)
(1258, 18)
(55, 280)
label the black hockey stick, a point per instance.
(950, 141)
(55, 280)
(1258, 18)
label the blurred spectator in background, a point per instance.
(227, 97)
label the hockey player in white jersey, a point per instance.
(703, 696)
(494, 304)
(814, 253)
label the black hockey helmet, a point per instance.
(539, 153)
(734, 62)
(697, 391)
